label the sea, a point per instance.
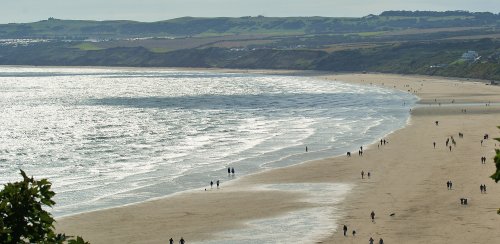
(108, 137)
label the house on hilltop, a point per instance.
(470, 56)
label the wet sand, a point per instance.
(408, 179)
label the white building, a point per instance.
(470, 56)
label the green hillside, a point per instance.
(189, 26)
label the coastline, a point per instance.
(205, 214)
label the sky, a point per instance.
(20, 11)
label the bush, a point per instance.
(496, 175)
(23, 219)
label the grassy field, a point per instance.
(353, 46)
(167, 44)
(88, 46)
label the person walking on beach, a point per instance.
(228, 170)
(484, 188)
(353, 233)
(232, 171)
(481, 188)
(217, 184)
(450, 148)
(381, 241)
(448, 185)
(434, 144)
(362, 174)
(373, 216)
(171, 241)
(306, 148)
(369, 175)
(181, 241)
(345, 230)
(371, 240)
(211, 184)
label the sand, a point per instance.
(408, 181)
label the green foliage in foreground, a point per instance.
(23, 219)
(496, 175)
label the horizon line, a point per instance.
(244, 16)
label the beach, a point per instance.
(406, 190)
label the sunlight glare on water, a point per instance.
(107, 137)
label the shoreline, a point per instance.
(310, 172)
(263, 71)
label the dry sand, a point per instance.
(408, 180)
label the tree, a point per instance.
(23, 218)
(496, 175)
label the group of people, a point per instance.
(383, 141)
(452, 141)
(483, 160)
(345, 231)
(449, 142)
(363, 174)
(381, 241)
(230, 171)
(483, 188)
(181, 241)
(212, 184)
(463, 201)
(449, 184)
(360, 151)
